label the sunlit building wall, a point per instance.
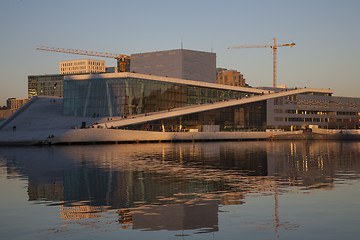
(230, 77)
(14, 103)
(82, 66)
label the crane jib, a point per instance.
(274, 47)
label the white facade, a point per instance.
(82, 66)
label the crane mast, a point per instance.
(274, 52)
(274, 48)
(123, 61)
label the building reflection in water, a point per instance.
(177, 186)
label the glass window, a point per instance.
(129, 96)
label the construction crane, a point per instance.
(123, 61)
(274, 50)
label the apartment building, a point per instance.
(14, 103)
(230, 77)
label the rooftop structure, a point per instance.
(179, 63)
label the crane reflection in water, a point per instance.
(175, 187)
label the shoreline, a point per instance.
(41, 122)
(115, 136)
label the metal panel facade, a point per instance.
(179, 63)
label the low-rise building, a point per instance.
(302, 110)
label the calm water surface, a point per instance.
(218, 190)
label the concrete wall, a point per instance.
(336, 131)
(114, 135)
(179, 63)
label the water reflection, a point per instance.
(177, 186)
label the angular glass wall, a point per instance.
(94, 97)
(45, 85)
(235, 118)
(130, 96)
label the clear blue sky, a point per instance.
(326, 33)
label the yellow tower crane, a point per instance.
(123, 61)
(274, 50)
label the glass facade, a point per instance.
(108, 97)
(49, 85)
(236, 118)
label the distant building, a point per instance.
(218, 70)
(14, 103)
(82, 66)
(5, 113)
(230, 77)
(178, 63)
